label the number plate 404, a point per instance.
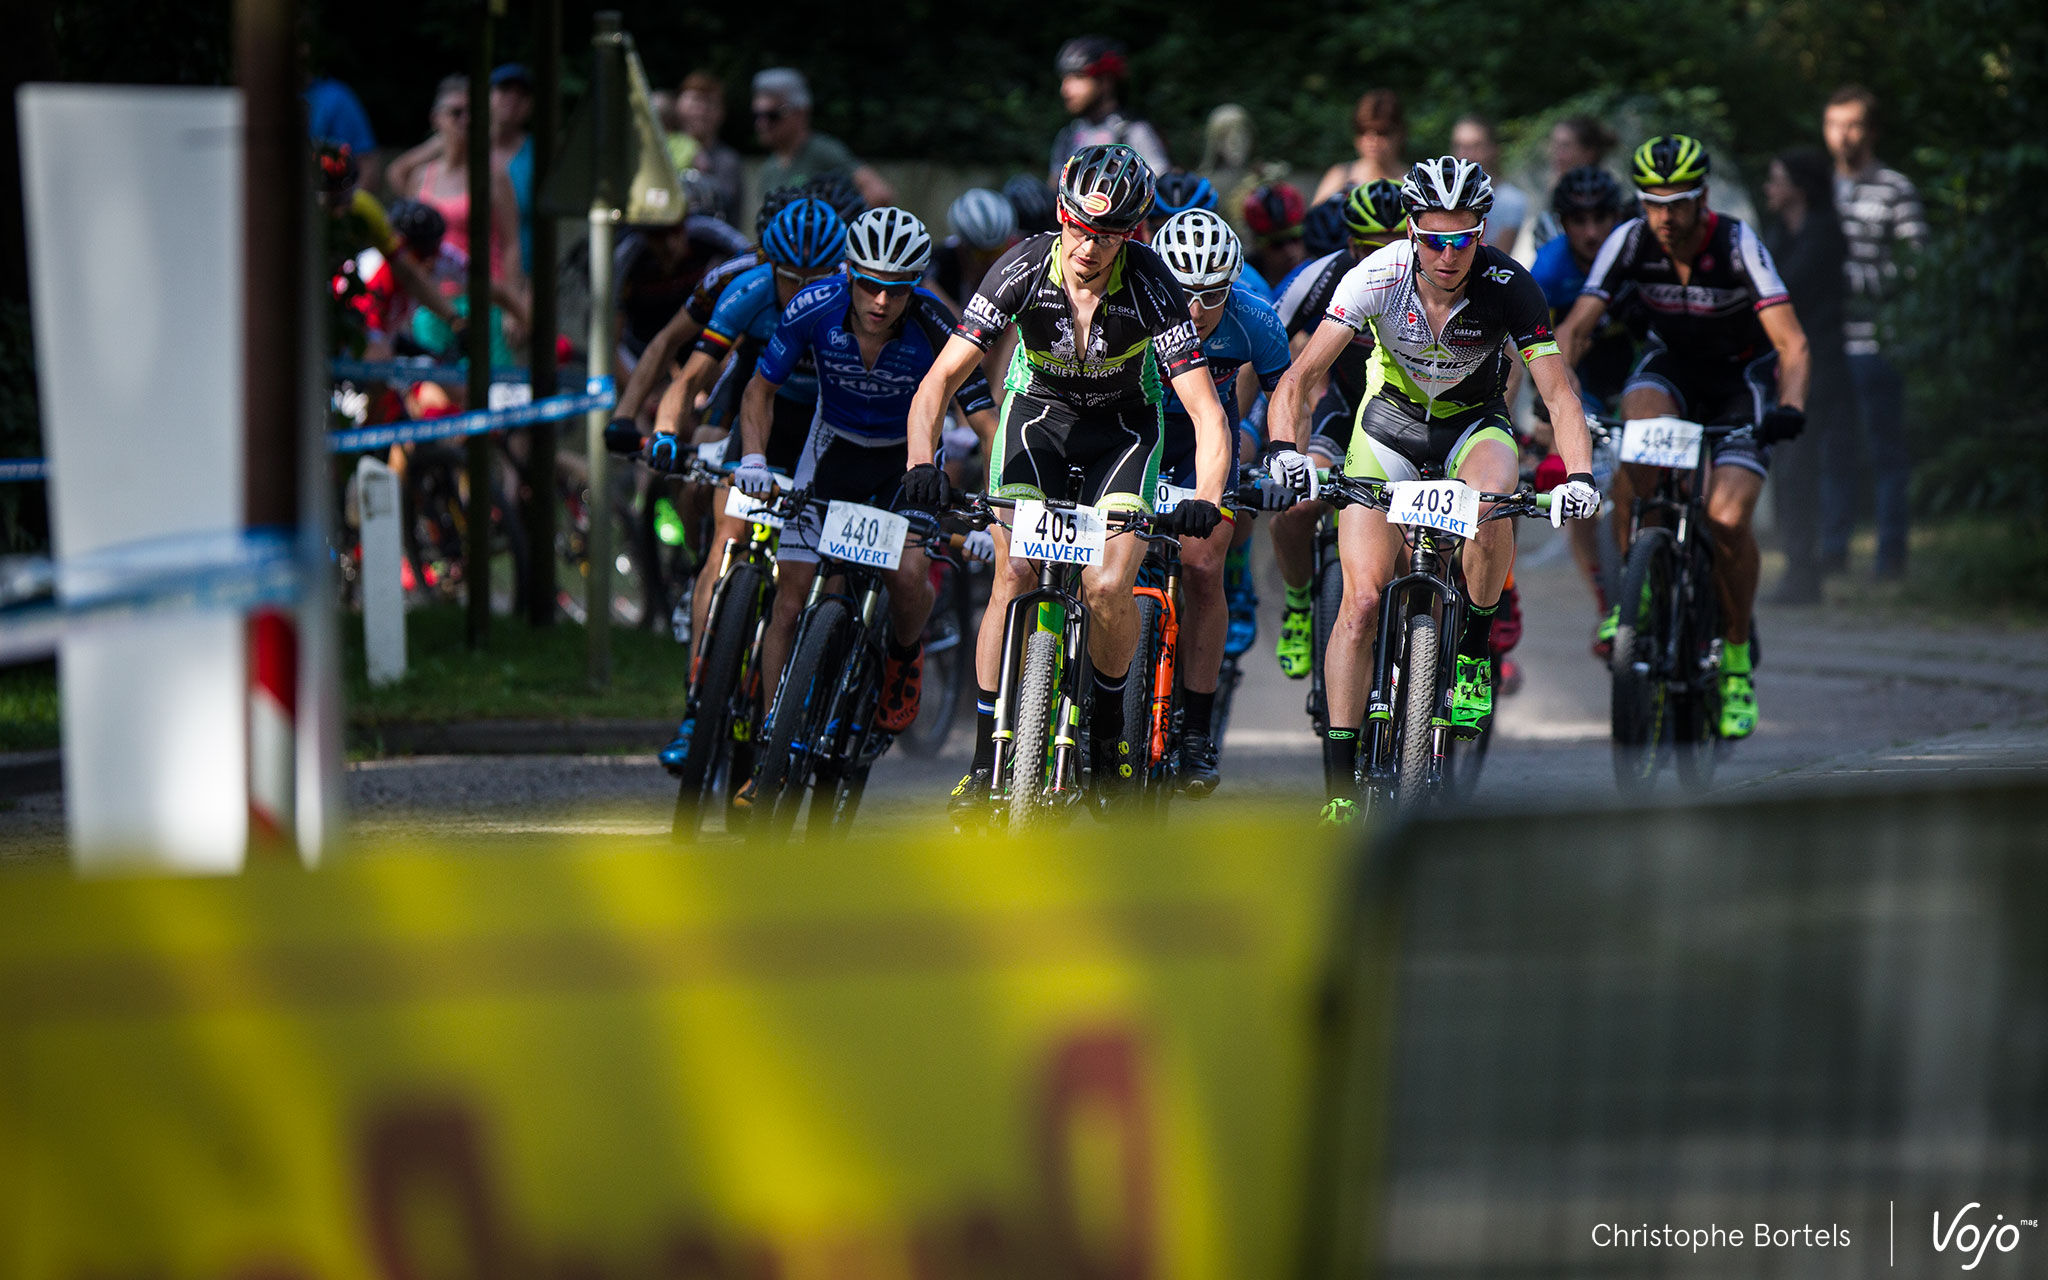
(1449, 505)
(741, 507)
(1065, 535)
(1661, 442)
(863, 535)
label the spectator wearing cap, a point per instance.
(782, 121)
(700, 114)
(512, 144)
(1380, 134)
(1093, 75)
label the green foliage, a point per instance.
(29, 719)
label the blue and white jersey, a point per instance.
(1249, 333)
(749, 309)
(858, 403)
(1258, 284)
(1560, 275)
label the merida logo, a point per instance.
(1972, 1240)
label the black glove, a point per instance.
(1781, 422)
(622, 435)
(925, 488)
(1193, 518)
(664, 452)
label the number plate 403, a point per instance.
(1449, 505)
(1065, 535)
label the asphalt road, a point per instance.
(1848, 698)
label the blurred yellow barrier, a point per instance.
(933, 1060)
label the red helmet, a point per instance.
(1275, 211)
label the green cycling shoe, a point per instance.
(1472, 698)
(1340, 813)
(1738, 704)
(1295, 647)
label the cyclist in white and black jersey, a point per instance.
(1725, 347)
(1445, 309)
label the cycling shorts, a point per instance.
(1716, 395)
(843, 470)
(1389, 444)
(788, 429)
(1329, 430)
(1177, 459)
(1038, 441)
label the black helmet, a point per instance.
(1587, 189)
(1106, 187)
(837, 189)
(1322, 231)
(421, 226)
(1176, 192)
(776, 201)
(1091, 56)
(1447, 184)
(1032, 200)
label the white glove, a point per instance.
(1575, 499)
(753, 477)
(1293, 470)
(980, 545)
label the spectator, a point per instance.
(1227, 155)
(663, 104)
(1811, 252)
(1575, 141)
(436, 173)
(335, 113)
(1473, 138)
(1880, 211)
(1273, 215)
(512, 145)
(700, 114)
(1381, 131)
(1093, 77)
(782, 121)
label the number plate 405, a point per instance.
(1065, 535)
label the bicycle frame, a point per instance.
(1681, 495)
(1167, 671)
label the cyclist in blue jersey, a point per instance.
(1246, 348)
(872, 334)
(1180, 192)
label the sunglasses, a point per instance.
(1086, 232)
(886, 288)
(1210, 299)
(771, 117)
(804, 277)
(1675, 197)
(1448, 241)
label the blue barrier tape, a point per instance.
(598, 395)
(419, 369)
(21, 470)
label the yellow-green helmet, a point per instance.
(1373, 210)
(1670, 160)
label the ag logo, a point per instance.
(1095, 204)
(1499, 275)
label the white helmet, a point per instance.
(1447, 184)
(1200, 249)
(888, 239)
(983, 218)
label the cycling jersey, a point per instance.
(1305, 296)
(1605, 365)
(862, 404)
(651, 291)
(1258, 284)
(1249, 333)
(1443, 376)
(749, 308)
(1140, 328)
(704, 298)
(1710, 319)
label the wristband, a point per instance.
(1585, 476)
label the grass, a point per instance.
(522, 673)
(28, 707)
(1966, 572)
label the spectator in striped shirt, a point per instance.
(1880, 213)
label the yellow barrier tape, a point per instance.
(929, 1060)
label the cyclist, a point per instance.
(872, 333)
(1093, 73)
(983, 225)
(1725, 346)
(1033, 201)
(1373, 219)
(1099, 321)
(1445, 308)
(1246, 348)
(1587, 203)
(1322, 227)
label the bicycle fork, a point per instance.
(1049, 607)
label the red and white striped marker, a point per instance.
(273, 729)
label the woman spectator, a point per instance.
(436, 173)
(1810, 249)
(1381, 135)
(1575, 141)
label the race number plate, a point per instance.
(1449, 505)
(1169, 496)
(1072, 535)
(741, 507)
(711, 452)
(1661, 442)
(863, 535)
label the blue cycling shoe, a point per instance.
(1244, 604)
(677, 752)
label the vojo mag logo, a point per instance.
(1971, 1240)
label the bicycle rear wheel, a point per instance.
(948, 663)
(802, 715)
(714, 694)
(1640, 713)
(1418, 699)
(1323, 606)
(1036, 683)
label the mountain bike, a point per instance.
(948, 651)
(1408, 756)
(1666, 665)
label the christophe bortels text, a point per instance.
(1612, 1235)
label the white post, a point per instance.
(383, 565)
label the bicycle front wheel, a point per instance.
(1418, 681)
(948, 664)
(1036, 683)
(1640, 713)
(714, 693)
(803, 713)
(1323, 607)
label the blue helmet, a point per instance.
(806, 235)
(1179, 192)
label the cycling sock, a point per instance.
(1109, 708)
(1735, 658)
(1201, 710)
(1477, 642)
(984, 729)
(1298, 597)
(904, 652)
(1340, 762)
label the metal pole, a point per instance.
(607, 89)
(476, 533)
(540, 500)
(276, 188)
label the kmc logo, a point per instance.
(1969, 1238)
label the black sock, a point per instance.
(1108, 714)
(1340, 762)
(1201, 710)
(904, 652)
(1477, 642)
(984, 729)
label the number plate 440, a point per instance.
(1065, 535)
(863, 535)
